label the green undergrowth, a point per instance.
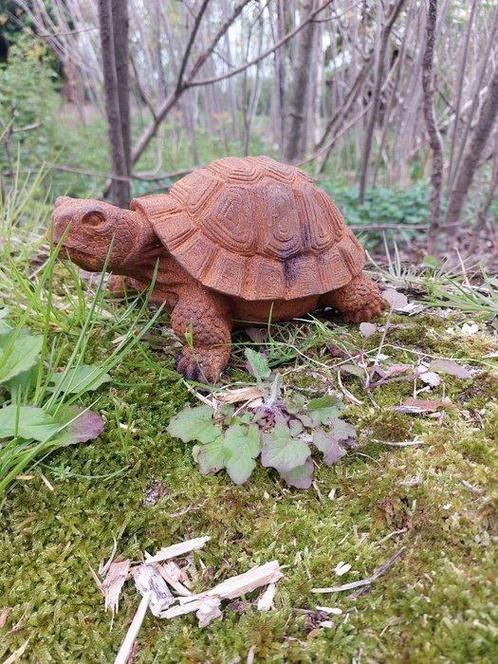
(422, 486)
(434, 501)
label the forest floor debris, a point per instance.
(362, 583)
(157, 578)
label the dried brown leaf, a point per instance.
(420, 406)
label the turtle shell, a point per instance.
(256, 229)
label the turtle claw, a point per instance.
(366, 313)
(204, 366)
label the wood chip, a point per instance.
(17, 654)
(265, 602)
(330, 610)
(4, 614)
(238, 585)
(382, 569)
(112, 585)
(126, 648)
(176, 550)
(171, 579)
(149, 582)
(208, 611)
(183, 609)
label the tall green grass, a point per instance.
(47, 316)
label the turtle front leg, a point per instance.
(202, 319)
(358, 301)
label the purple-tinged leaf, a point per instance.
(343, 432)
(87, 426)
(450, 367)
(267, 416)
(283, 452)
(211, 457)
(329, 445)
(430, 378)
(300, 477)
(257, 334)
(324, 409)
(336, 351)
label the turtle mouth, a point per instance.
(84, 259)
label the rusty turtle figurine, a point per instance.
(243, 239)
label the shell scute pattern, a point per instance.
(236, 169)
(257, 229)
(280, 233)
(225, 222)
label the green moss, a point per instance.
(435, 604)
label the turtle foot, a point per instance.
(202, 365)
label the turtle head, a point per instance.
(93, 232)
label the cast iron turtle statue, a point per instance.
(243, 239)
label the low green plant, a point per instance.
(283, 432)
(403, 208)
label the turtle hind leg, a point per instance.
(358, 301)
(202, 320)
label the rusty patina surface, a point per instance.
(242, 239)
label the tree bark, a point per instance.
(392, 15)
(482, 130)
(435, 140)
(299, 96)
(113, 20)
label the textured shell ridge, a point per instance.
(256, 229)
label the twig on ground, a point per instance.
(127, 645)
(380, 571)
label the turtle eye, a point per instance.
(93, 218)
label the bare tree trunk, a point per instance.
(392, 15)
(299, 95)
(113, 20)
(432, 128)
(482, 216)
(280, 78)
(487, 54)
(460, 80)
(482, 130)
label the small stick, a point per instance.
(134, 628)
(380, 571)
